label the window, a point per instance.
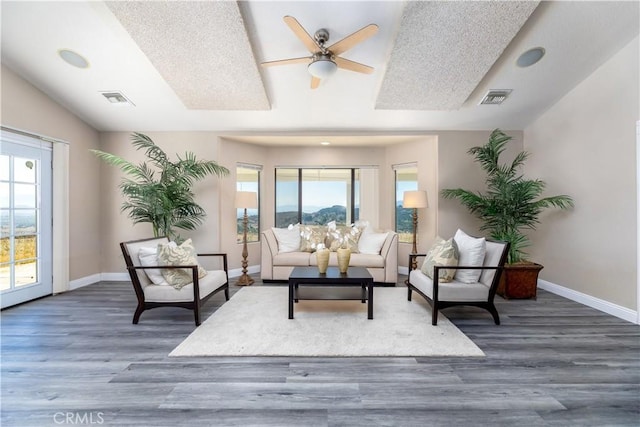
(248, 179)
(317, 196)
(406, 180)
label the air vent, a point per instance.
(117, 98)
(495, 96)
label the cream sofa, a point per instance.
(277, 266)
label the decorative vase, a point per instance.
(344, 255)
(322, 255)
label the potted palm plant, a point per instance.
(510, 206)
(160, 191)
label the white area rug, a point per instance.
(254, 323)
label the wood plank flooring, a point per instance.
(76, 359)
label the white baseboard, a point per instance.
(124, 277)
(403, 270)
(115, 277)
(84, 281)
(591, 301)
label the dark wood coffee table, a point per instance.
(310, 276)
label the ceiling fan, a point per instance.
(325, 61)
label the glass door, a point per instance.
(25, 219)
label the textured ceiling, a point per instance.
(188, 65)
(444, 49)
(201, 49)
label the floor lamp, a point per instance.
(245, 200)
(415, 199)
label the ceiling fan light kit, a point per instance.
(322, 67)
(324, 61)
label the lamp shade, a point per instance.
(246, 199)
(322, 68)
(415, 199)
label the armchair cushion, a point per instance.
(471, 254)
(442, 253)
(212, 281)
(171, 254)
(452, 291)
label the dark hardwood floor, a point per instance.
(76, 359)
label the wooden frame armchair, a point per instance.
(190, 296)
(480, 294)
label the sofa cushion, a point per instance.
(292, 258)
(442, 253)
(366, 260)
(471, 252)
(288, 238)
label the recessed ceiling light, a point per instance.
(73, 58)
(325, 143)
(530, 57)
(117, 98)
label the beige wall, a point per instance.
(424, 152)
(457, 169)
(269, 158)
(117, 227)
(585, 146)
(232, 153)
(26, 108)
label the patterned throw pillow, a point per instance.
(442, 253)
(185, 254)
(345, 236)
(312, 237)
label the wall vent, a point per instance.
(495, 96)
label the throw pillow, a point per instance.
(345, 236)
(185, 254)
(442, 253)
(288, 238)
(371, 243)
(149, 257)
(471, 254)
(312, 238)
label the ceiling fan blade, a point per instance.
(315, 82)
(302, 34)
(303, 60)
(350, 41)
(345, 64)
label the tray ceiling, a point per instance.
(195, 65)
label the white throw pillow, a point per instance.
(471, 252)
(149, 257)
(288, 238)
(371, 243)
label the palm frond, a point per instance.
(162, 195)
(511, 203)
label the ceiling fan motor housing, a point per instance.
(321, 36)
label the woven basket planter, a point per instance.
(519, 281)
